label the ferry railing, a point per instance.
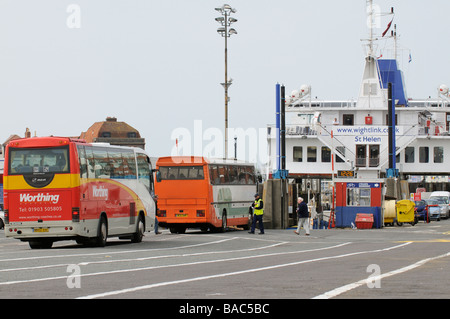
(433, 129)
(352, 103)
(319, 104)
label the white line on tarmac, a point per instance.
(117, 252)
(343, 289)
(167, 283)
(167, 266)
(141, 258)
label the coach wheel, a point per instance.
(224, 221)
(39, 244)
(102, 234)
(177, 230)
(139, 234)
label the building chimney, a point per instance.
(111, 119)
(27, 133)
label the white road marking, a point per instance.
(164, 266)
(167, 283)
(117, 252)
(141, 258)
(343, 289)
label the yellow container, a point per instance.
(405, 211)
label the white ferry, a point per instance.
(356, 132)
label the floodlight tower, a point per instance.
(226, 31)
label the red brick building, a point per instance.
(113, 132)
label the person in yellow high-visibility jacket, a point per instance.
(258, 212)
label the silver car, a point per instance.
(443, 202)
(434, 209)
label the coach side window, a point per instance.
(102, 166)
(116, 163)
(143, 170)
(233, 174)
(214, 174)
(223, 174)
(129, 164)
(89, 162)
(82, 160)
(251, 175)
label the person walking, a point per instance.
(258, 212)
(155, 198)
(303, 217)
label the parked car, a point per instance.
(420, 209)
(443, 201)
(2, 219)
(442, 195)
(433, 209)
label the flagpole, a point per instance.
(395, 42)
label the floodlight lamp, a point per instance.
(232, 31)
(226, 7)
(221, 30)
(220, 19)
(218, 9)
(232, 20)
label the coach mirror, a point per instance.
(158, 175)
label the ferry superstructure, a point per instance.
(356, 131)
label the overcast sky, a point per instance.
(157, 65)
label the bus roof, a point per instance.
(189, 160)
(38, 141)
(60, 141)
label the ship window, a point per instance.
(326, 154)
(409, 154)
(298, 154)
(374, 155)
(361, 155)
(348, 119)
(312, 154)
(423, 154)
(438, 154)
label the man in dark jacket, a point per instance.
(303, 217)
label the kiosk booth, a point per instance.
(358, 196)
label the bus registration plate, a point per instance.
(40, 230)
(181, 215)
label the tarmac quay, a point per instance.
(410, 262)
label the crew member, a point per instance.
(258, 212)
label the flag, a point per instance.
(410, 58)
(387, 29)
